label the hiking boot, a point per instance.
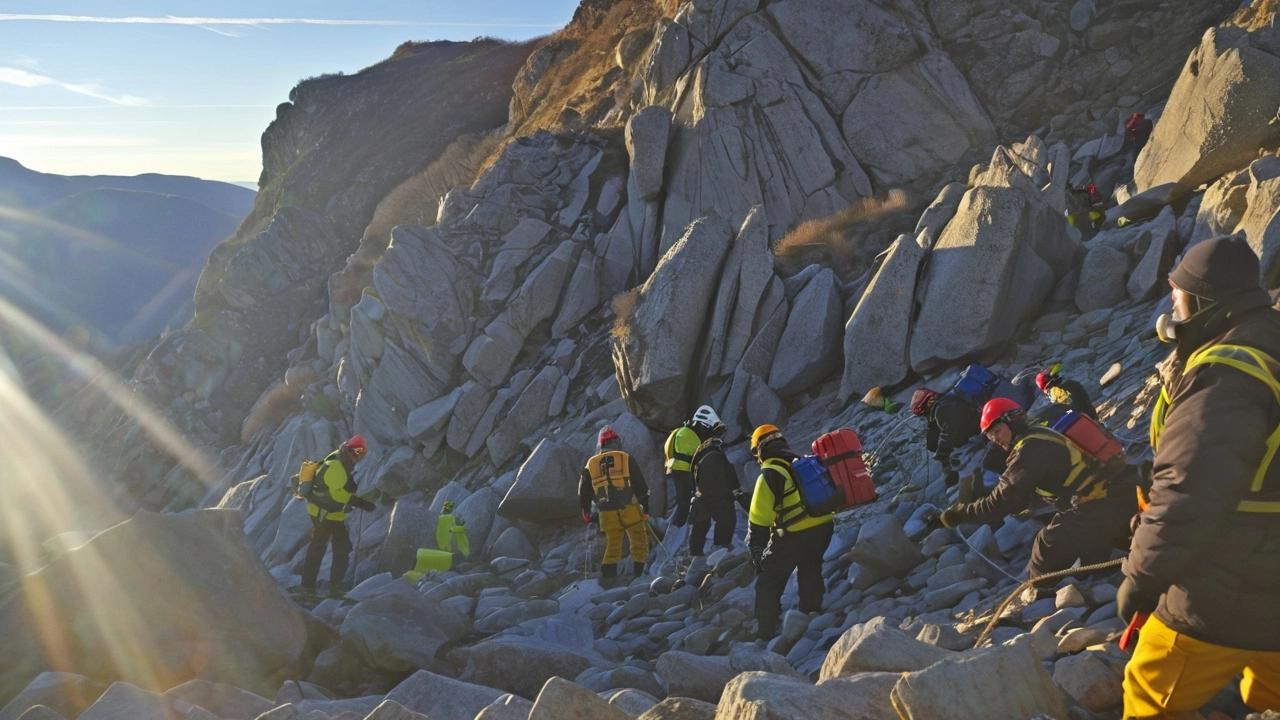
(639, 568)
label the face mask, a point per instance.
(1167, 328)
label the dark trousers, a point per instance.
(684, 493)
(702, 515)
(800, 552)
(322, 532)
(1087, 532)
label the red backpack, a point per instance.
(841, 453)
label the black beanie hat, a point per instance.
(1218, 268)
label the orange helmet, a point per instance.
(762, 435)
(921, 400)
(997, 411)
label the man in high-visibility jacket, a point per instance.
(330, 495)
(616, 486)
(681, 444)
(783, 537)
(1205, 556)
(1041, 462)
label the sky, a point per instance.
(187, 88)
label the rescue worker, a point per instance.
(1063, 392)
(715, 483)
(952, 422)
(679, 449)
(1043, 462)
(451, 532)
(1205, 556)
(330, 495)
(1137, 131)
(621, 496)
(783, 537)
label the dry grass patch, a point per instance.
(828, 241)
(624, 310)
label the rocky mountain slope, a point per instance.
(617, 265)
(118, 256)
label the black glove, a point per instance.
(952, 478)
(743, 498)
(953, 516)
(361, 503)
(757, 558)
(1130, 601)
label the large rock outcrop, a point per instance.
(995, 262)
(657, 342)
(1219, 113)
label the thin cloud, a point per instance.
(256, 22)
(27, 79)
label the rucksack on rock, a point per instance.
(976, 385)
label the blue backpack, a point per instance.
(976, 385)
(818, 491)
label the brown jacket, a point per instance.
(1219, 569)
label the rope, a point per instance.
(990, 562)
(995, 618)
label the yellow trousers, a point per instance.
(629, 520)
(1171, 675)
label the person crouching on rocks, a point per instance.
(330, 495)
(1045, 463)
(783, 537)
(617, 488)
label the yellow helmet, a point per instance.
(762, 435)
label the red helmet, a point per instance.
(997, 411)
(357, 445)
(1043, 380)
(606, 434)
(921, 400)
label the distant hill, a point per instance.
(118, 255)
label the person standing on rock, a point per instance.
(952, 423)
(783, 537)
(1205, 556)
(1066, 392)
(330, 495)
(616, 486)
(716, 485)
(679, 449)
(1045, 463)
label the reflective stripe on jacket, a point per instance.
(1083, 480)
(1260, 366)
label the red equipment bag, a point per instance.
(1092, 438)
(841, 453)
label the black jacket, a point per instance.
(952, 422)
(1218, 569)
(1036, 464)
(713, 474)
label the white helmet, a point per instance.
(706, 416)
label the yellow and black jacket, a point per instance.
(775, 504)
(1210, 539)
(331, 489)
(1042, 462)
